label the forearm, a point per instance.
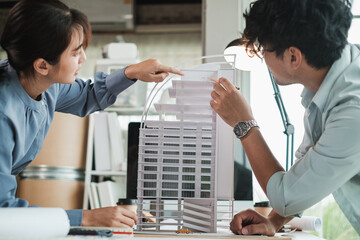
(82, 98)
(261, 159)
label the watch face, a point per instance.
(237, 130)
(244, 127)
(241, 129)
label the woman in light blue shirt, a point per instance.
(45, 42)
(304, 42)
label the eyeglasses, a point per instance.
(257, 50)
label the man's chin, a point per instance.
(281, 83)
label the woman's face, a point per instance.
(66, 70)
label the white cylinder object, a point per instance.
(33, 223)
(308, 223)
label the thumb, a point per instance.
(160, 76)
(261, 228)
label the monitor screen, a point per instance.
(243, 189)
(132, 159)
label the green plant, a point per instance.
(335, 224)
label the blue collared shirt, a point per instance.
(24, 121)
(328, 159)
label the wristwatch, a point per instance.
(242, 128)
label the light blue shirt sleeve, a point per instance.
(329, 164)
(82, 98)
(75, 217)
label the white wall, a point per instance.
(221, 24)
(170, 48)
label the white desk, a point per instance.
(304, 236)
(137, 236)
(279, 236)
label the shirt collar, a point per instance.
(18, 88)
(307, 97)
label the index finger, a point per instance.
(226, 83)
(164, 68)
(236, 225)
(159, 77)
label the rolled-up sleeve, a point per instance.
(75, 217)
(326, 166)
(84, 97)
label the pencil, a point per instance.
(217, 81)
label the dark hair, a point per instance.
(40, 29)
(319, 28)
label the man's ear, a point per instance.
(41, 66)
(295, 57)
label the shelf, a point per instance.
(119, 176)
(107, 173)
(167, 28)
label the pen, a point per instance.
(217, 81)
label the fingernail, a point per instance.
(245, 231)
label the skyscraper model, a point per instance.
(186, 160)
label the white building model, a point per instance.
(186, 164)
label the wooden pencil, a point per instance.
(217, 81)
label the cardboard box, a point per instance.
(65, 143)
(52, 193)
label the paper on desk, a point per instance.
(34, 223)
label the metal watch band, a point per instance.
(252, 123)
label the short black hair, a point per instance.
(40, 29)
(319, 28)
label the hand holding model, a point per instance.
(229, 103)
(150, 70)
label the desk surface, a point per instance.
(293, 236)
(141, 236)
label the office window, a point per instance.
(354, 36)
(267, 113)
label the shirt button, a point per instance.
(42, 102)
